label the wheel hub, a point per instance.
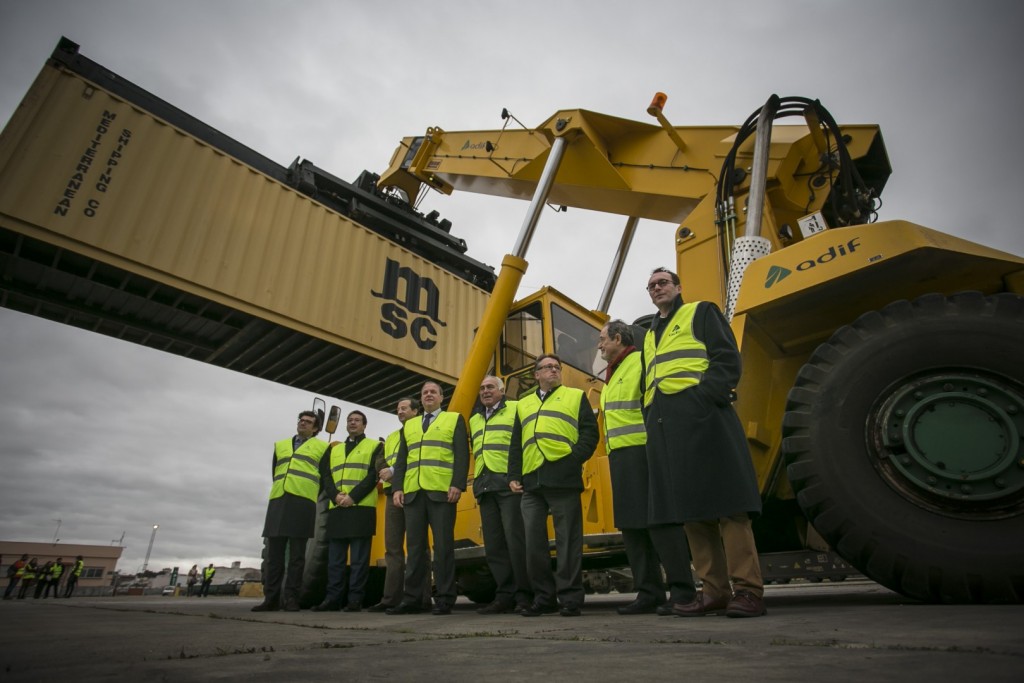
(952, 443)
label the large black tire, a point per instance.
(902, 439)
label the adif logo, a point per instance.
(776, 274)
(420, 301)
(474, 145)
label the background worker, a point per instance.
(291, 512)
(14, 574)
(647, 548)
(73, 576)
(42, 579)
(53, 578)
(700, 467)
(555, 432)
(193, 578)
(394, 519)
(430, 476)
(28, 577)
(501, 515)
(208, 573)
(350, 483)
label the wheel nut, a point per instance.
(1000, 483)
(966, 488)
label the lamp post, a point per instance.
(152, 537)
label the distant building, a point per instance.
(100, 560)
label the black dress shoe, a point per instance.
(403, 608)
(497, 607)
(570, 611)
(638, 607)
(353, 607)
(326, 606)
(379, 607)
(291, 605)
(537, 609)
(266, 607)
(441, 609)
(665, 609)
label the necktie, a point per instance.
(426, 421)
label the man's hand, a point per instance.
(516, 486)
(398, 498)
(385, 474)
(454, 494)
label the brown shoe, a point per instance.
(745, 604)
(700, 606)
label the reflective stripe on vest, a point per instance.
(297, 473)
(491, 439)
(56, 570)
(77, 571)
(620, 403)
(549, 427)
(349, 470)
(431, 456)
(679, 360)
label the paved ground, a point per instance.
(847, 631)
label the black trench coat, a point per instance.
(698, 460)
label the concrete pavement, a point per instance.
(846, 631)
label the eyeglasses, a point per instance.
(658, 283)
(548, 367)
(306, 420)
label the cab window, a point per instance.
(522, 339)
(575, 341)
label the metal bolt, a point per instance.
(905, 460)
(1000, 483)
(982, 391)
(901, 413)
(947, 387)
(931, 480)
(1011, 409)
(918, 395)
(966, 488)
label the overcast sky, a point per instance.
(111, 438)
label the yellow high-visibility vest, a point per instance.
(549, 428)
(431, 458)
(679, 360)
(297, 472)
(491, 439)
(621, 404)
(348, 470)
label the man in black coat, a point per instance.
(555, 432)
(291, 512)
(350, 484)
(648, 548)
(700, 471)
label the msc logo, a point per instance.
(414, 310)
(777, 274)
